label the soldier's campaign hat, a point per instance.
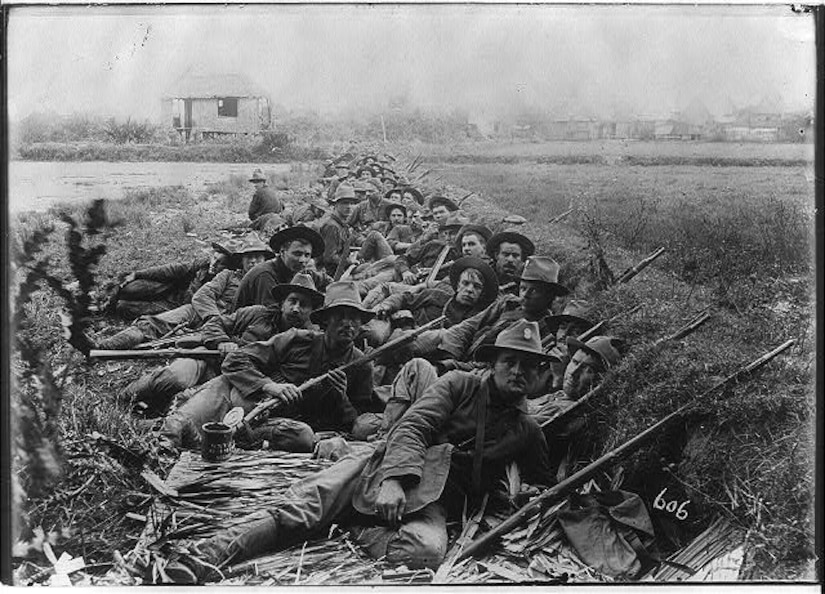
(373, 185)
(603, 348)
(344, 192)
(523, 337)
(456, 220)
(341, 165)
(479, 230)
(439, 200)
(301, 283)
(341, 294)
(408, 189)
(252, 244)
(298, 232)
(257, 176)
(575, 311)
(488, 275)
(527, 246)
(544, 270)
(360, 186)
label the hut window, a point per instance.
(228, 107)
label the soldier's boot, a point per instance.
(255, 535)
(123, 340)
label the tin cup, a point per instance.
(218, 442)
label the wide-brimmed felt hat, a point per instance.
(523, 337)
(341, 294)
(527, 246)
(373, 185)
(298, 232)
(488, 275)
(604, 348)
(545, 270)
(575, 312)
(257, 176)
(387, 207)
(479, 230)
(344, 192)
(456, 220)
(416, 194)
(438, 199)
(300, 283)
(252, 244)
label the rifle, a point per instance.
(562, 216)
(104, 355)
(167, 341)
(380, 351)
(445, 251)
(555, 494)
(633, 271)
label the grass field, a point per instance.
(745, 454)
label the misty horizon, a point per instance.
(488, 61)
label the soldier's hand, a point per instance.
(127, 279)
(408, 277)
(287, 392)
(338, 380)
(381, 310)
(391, 502)
(227, 347)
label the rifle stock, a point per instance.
(555, 494)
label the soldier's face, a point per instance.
(249, 261)
(568, 329)
(440, 214)
(344, 208)
(296, 255)
(295, 310)
(516, 374)
(580, 374)
(536, 297)
(509, 259)
(469, 288)
(415, 219)
(342, 326)
(472, 245)
(396, 217)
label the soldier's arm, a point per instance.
(249, 368)
(205, 300)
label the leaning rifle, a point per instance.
(633, 271)
(380, 351)
(439, 262)
(555, 494)
(104, 355)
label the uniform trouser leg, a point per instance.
(153, 327)
(210, 403)
(420, 541)
(415, 376)
(375, 247)
(311, 505)
(382, 291)
(158, 387)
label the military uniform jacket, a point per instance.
(366, 214)
(422, 449)
(461, 340)
(248, 324)
(295, 356)
(218, 295)
(256, 286)
(335, 233)
(264, 201)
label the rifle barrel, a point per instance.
(109, 355)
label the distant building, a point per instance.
(201, 106)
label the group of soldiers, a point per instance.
(416, 425)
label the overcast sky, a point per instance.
(574, 60)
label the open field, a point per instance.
(746, 454)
